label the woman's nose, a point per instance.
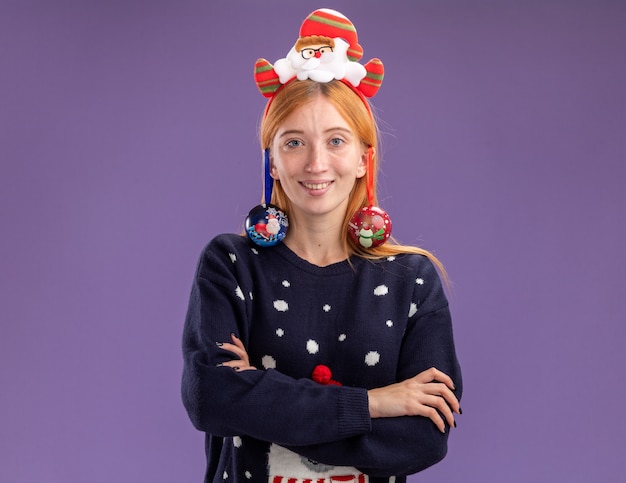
(317, 161)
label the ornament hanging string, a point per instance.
(370, 176)
(268, 182)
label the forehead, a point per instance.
(318, 113)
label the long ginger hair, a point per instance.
(358, 115)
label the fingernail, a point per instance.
(219, 344)
(460, 410)
(455, 424)
(235, 368)
(233, 335)
(220, 365)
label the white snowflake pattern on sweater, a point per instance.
(350, 318)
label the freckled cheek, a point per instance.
(285, 167)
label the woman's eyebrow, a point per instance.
(339, 128)
(291, 132)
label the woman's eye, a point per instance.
(294, 143)
(336, 142)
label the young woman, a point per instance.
(329, 356)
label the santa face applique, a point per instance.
(327, 49)
(320, 59)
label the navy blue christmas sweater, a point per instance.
(365, 323)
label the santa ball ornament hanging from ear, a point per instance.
(266, 224)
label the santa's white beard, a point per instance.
(329, 66)
(325, 62)
(320, 69)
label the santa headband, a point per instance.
(327, 49)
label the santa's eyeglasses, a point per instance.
(310, 53)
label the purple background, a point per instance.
(128, 139)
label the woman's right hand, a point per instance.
(427, 394)
(242, 363)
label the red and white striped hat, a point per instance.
(330, 23)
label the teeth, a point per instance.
(317, 186)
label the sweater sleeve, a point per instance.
(263, 404)
(405, 445)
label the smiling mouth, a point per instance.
(316, 186)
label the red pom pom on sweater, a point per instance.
(323, 375)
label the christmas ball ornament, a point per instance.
(266, 225)
(370, 227)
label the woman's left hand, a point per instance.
(237, 348)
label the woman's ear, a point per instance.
(273, 170)
(364, 163)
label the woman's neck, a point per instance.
(317, 241)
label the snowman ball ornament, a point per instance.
(370, 227)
